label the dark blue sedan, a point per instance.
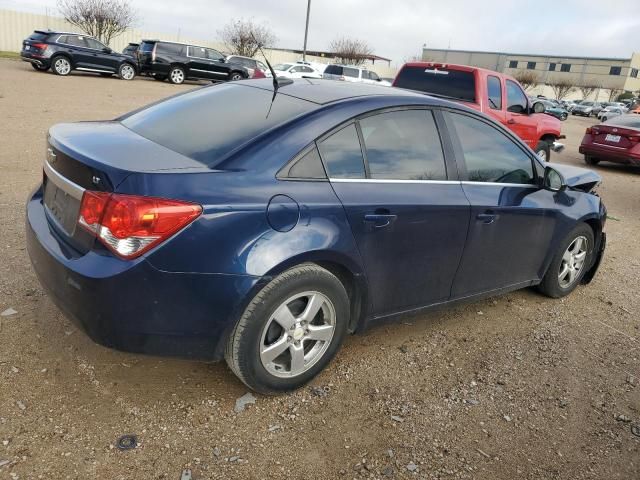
(232, 222)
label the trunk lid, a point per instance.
(615, 136)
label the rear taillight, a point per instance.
(41, 46)
(590, 131)
(129, 225)
(634, 138)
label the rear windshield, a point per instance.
(38, 36)
(442, 82)
(209, 123)
(627, 121)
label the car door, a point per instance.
(77, 46)
(407, 210)
(198, 63)
(517, 115)
(512, 218)
(101, 59)
(218, 67)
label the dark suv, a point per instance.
(179, 62)
(64, 52)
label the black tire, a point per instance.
(160, 78)
(177, 75)
(39, 68)
(589, 160)
(243, 346)
(550, 285)
(604, 119)
(543, 150)
(563, 117)
(235, 76)
(126, 71)
(61, 65)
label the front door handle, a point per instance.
(511, 121)
(380, 220)
(487, 218)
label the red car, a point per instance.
(616, 140)
(495, 94)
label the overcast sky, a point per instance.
(397, 29)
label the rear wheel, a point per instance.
(589, 160)
(604, 119)
(563, 117)
(177, 75)
(543, 150)
(569, 263)
(61, 66)
(127, 72)
(235, 76)
(290, 331)
(39, 68)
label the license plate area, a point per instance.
(61, 207)
(612, 138)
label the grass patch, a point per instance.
(13, 55)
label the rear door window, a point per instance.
(76, 41)
(489, 155)
(351, 72)
(457, 84)
(198, 52)
(333, 70)
(403, 145)
(342, 154)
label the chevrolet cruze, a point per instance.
(262, 226)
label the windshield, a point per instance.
(282, 67)
(456, 84)
(190, 123)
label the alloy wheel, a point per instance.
(542, 154)
(298, 334)
(127, 72)
(177, 75)
(235, 77)
(573, 262)
(62, 66)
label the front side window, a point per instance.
(494, 89)
(516, 99)
(93, 43)
(342, 154)
(403, 145)
(197, 52)
(489, 155)
(216, 55)
(374, 76)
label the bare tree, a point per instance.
(350, 50)
(561, 87)
(245, 37)
(587, 89)
(614, 92)
(102, 19)
(527, 78)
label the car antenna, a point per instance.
(276, 82)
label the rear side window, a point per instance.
(455, 84)
(494, 89)
(171, 49)
(350, 72)
(197, 52)
(342, 154)
(333, 70)
(187, 123)
(403, 145)
(516, 99)
(309, 166)
(489, 155)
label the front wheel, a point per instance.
(543, 150)
(127, 72)
(235, 76)
(61, 66)
(290, 331)
(176, 75)
(604, 119)
(563, 117)
(570, 263)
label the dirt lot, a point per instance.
(518, 387)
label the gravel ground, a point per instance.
(516, 387)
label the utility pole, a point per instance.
(306, 31)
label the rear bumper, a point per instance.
(36, 59)
(611, 154)
(131, 305)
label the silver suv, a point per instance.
(350, 73)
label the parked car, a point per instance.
(616, 140)
(495, 94)
(64, 52)
(178, 62)
(586, 108)
(296, 70)
(265, 239)
(256, 68)
(553, 109)
(349, 73)
(569, 105)
(610, 112)
(131, 50)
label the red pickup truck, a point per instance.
(495, 94)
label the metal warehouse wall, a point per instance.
(16, 26)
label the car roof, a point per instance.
(152, 40)
(56, 32)
(327, 91)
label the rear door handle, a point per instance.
(487, 218)
(380, 220)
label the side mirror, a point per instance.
(107, 50)
(553, 180)
(538, 107)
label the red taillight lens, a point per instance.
(588, 131)
(129, 225)
(41, 46)
(634, 138)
